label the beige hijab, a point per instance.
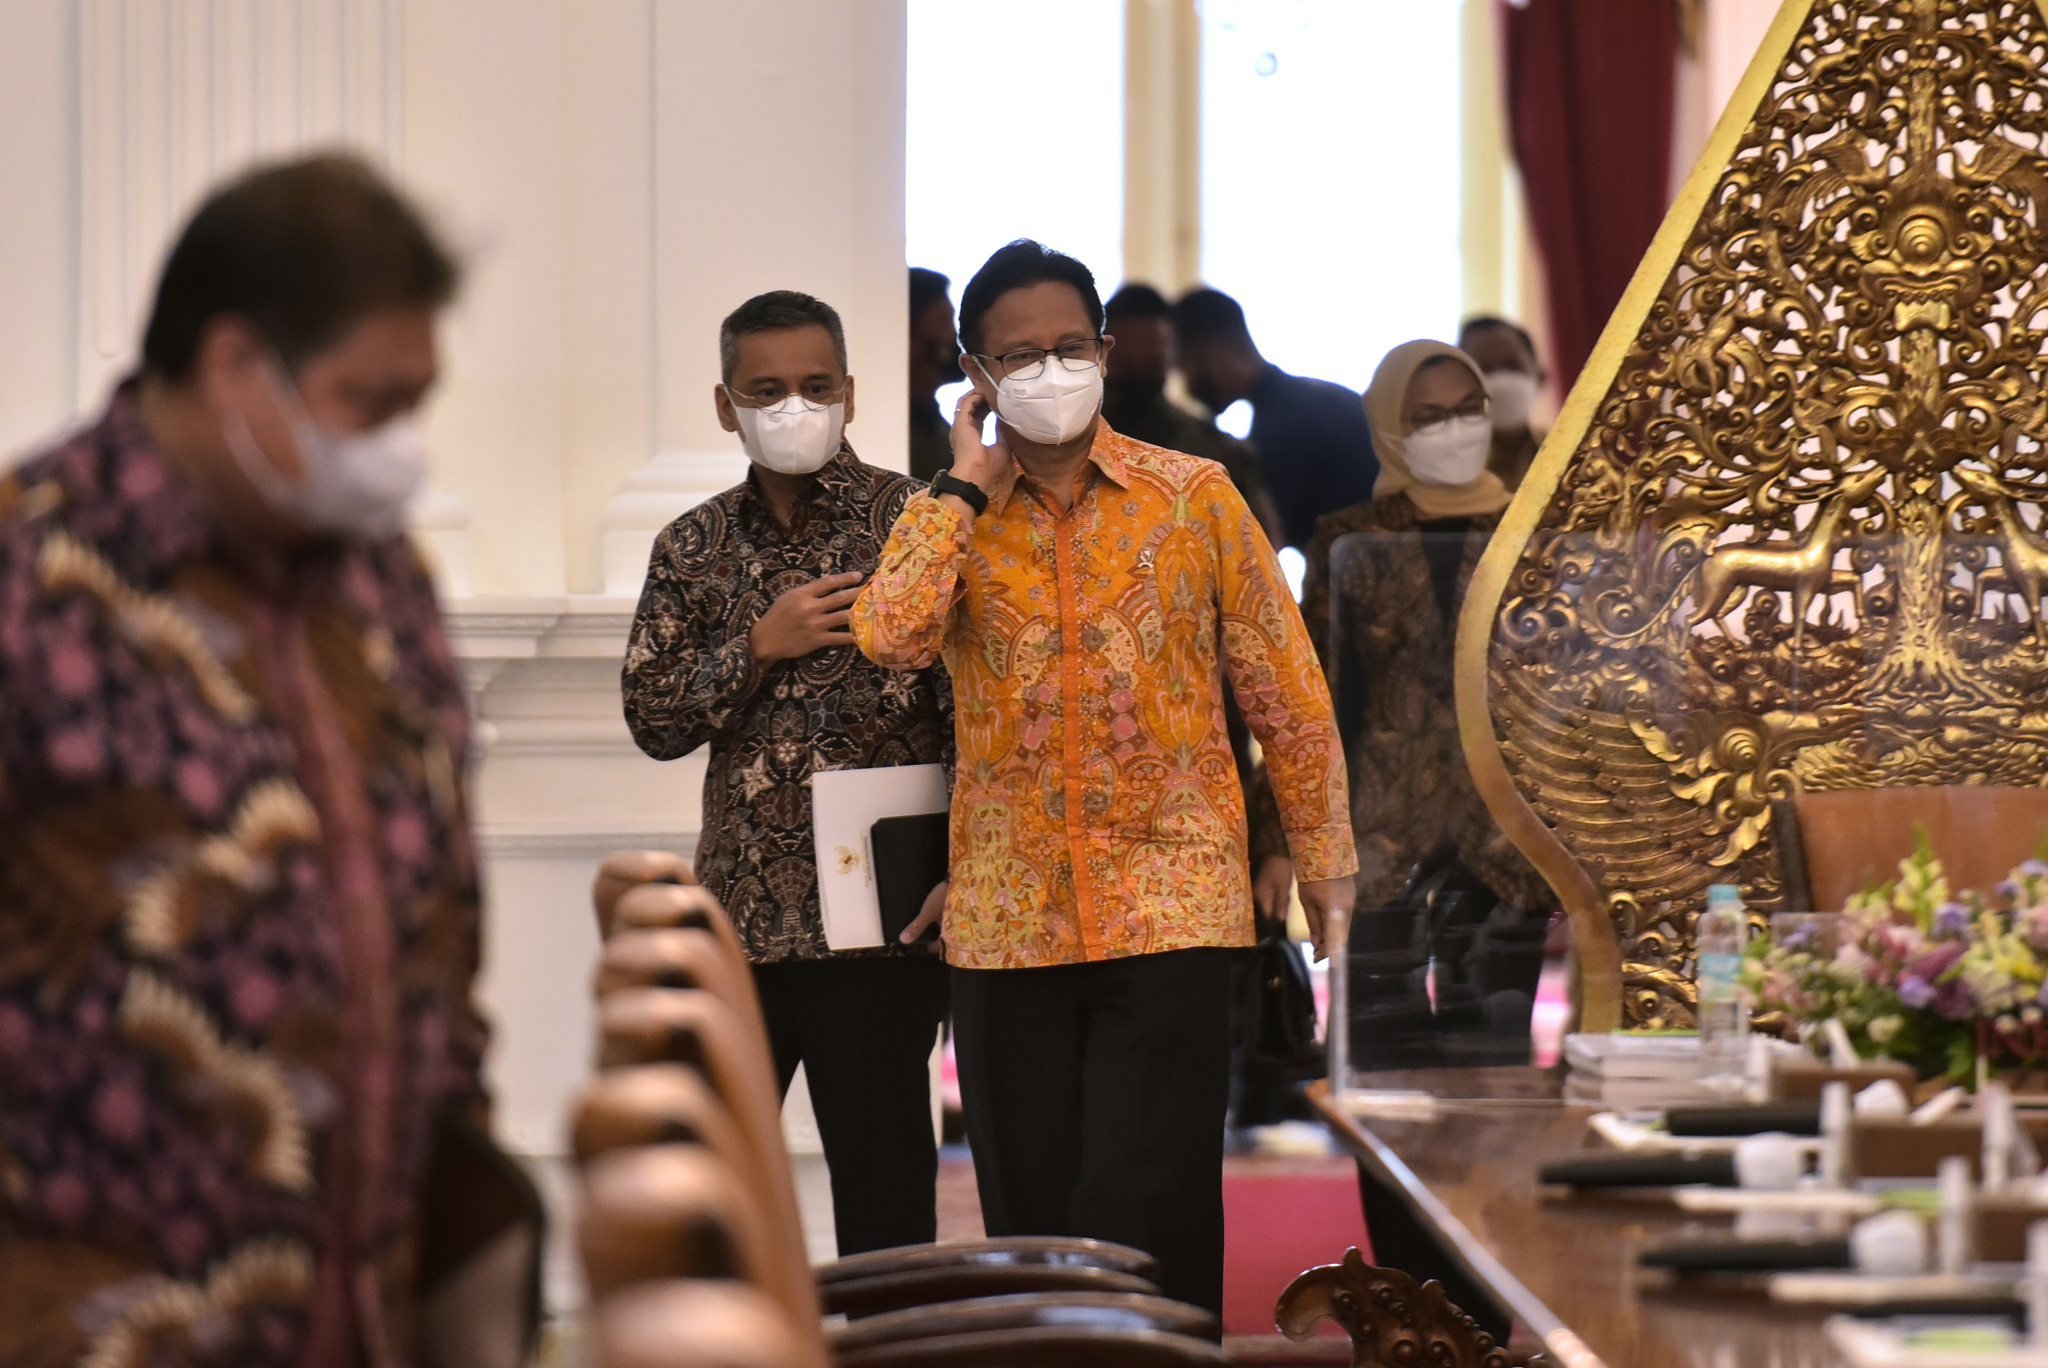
(1385, 400)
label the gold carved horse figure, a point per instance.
(1803, 569)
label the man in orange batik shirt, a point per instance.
(1089, 594)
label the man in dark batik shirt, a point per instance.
(238, 898)
(741, 642)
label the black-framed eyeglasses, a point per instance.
(1428, 416)
(1028, 363)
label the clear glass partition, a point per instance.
(1659, 690)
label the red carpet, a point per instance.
(1280, 1216)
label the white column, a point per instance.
(38, 228)
(778, 164)
(175, 94)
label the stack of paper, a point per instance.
(1628, 1071)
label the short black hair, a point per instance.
(1210, 315)
(303, 250)
(925, 287)
(1138, 301)
(1481, 322)
(772, 312)
(1017, 266)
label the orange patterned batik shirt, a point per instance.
(1096, 808)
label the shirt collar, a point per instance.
(832, 486)
(124, 494)
(1107, 453)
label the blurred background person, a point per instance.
(242, 921)
(934, 363)
(1135, 403)
(1315, 450)
(1506, 356)
(1385, 582)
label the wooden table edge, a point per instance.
(1562, 1343)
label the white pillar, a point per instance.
(778, 164)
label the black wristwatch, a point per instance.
(946, 482)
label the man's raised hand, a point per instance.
(810, 617)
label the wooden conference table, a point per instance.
(1563, 1266)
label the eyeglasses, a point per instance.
(1429, 417)
(772, 397)
(1028, 363)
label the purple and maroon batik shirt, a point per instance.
(238, 927)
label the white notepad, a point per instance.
(845, 804)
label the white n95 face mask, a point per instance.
(792, 435)
(353, 483)
(1514, 398)
(1452, 452)
(1056, 405)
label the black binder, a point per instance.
(910, 855)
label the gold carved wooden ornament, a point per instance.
(1787, 531)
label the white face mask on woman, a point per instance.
(1452, 452)
(354, 483)
(1514, 398)
(792, 435)
(1056, 405)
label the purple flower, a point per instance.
(2007, 890)
(1951, 919)
(1915, 991)
(2033, 869)
(1932, 963)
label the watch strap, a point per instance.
(946, 482)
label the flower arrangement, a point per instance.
(1920, 973)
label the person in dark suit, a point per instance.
(1134, 398)
(934, 362)
(1311, 435)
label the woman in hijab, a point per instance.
(1385, 582)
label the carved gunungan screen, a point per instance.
(1787, 532)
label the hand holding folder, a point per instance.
(881, 848)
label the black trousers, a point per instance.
(863, 1029)
(1095, 1095)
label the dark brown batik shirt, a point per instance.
(691, 680)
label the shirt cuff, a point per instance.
(1323, 853)
(933, 520)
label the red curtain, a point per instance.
(1589, 105)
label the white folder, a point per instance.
(845, 804)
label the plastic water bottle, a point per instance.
(1723, 1016)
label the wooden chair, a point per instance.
(682, 957)
(1832, 845)
(1097, 1311)
(691, 1027)
(669, 1211)
(624, 869)
(1044, 1346)
(650, 1104)
(684, 1091)
(698, 1324)
(640, 1026)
